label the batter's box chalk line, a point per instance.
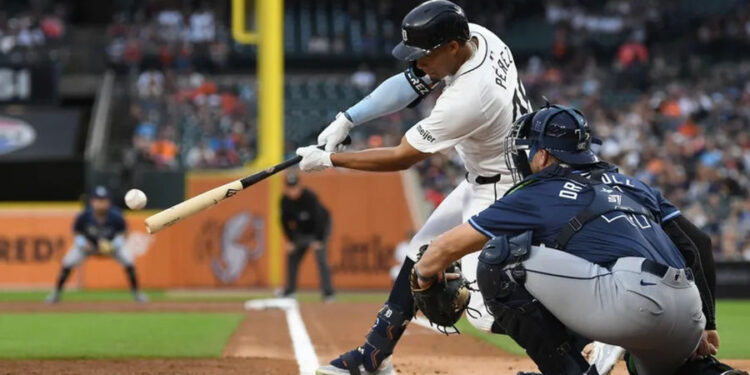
(304, 351)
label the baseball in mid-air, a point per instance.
(135, 199)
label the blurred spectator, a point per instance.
(168, 38)
(34, 34)
(364, 78)
(191, 121)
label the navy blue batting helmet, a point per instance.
(429, 26)
(562, 131)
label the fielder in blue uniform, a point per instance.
(579, 252)
(99, 230)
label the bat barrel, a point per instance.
(191, 206)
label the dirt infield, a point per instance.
(261, 344)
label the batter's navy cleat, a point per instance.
(53, 298)
(351, 364)
(605, 356)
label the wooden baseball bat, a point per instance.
(200, 202)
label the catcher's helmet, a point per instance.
(428, 26)
(562, 131)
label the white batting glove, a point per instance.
(314, 159)
(335, 132)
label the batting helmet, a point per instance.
(428, 26)
(561, 130)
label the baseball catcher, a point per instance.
(602, 267)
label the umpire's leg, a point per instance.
(321, 256)
(293, 260)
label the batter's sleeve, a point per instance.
(456, 116)
(394, 94)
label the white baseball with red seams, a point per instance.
(135, 199)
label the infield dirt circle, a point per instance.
(262, 345)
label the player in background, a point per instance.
(307, 226)
(482, 96)
(98, 230)
(616, 262)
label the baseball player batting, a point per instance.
(604, 266)
(99, 230)
(482, 96)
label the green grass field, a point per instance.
(114, 335)
(192, 296)
(133, 335)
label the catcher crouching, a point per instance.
(578, 252)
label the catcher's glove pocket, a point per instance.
(444, 300)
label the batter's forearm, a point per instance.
(385, 159)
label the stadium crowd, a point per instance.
(172, 38)
(668, 93)
(189, 121)
(32, 33)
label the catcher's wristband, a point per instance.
(436, 277)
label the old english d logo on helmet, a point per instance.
(428, 26)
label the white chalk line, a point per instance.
(304, 351)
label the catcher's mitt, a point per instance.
(444, 301)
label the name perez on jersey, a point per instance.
(504, 62)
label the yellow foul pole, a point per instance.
(269, 36)
(271, 111)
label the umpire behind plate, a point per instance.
(578, 250)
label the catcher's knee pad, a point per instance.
(497, 253)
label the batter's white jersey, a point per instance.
(474, 115)
(476, 109)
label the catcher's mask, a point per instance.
(561, 130)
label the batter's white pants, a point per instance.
(465, 201)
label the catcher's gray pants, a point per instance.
(658, 319)
(77, 254)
